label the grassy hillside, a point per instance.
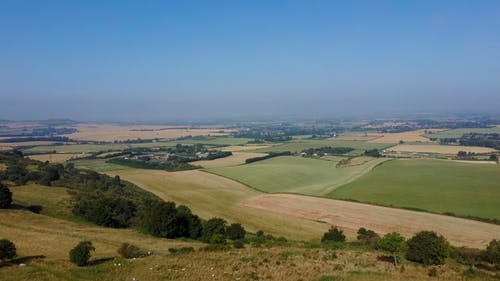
(296, 174)
(434, 185)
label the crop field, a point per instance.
(98, 165)
(457, 133)
(222, 140)
(297, 146)
(99, 132)
(55, 157)
(350, 216)
(433, 185)
(237, 158)
(247, 147)
(411, 136)
(296, 174)
(440, 149)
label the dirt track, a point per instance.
(350, 216)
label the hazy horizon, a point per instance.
(131, 61)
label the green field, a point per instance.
(297, 146)
(296, 174)
(457, 133)
(433, 185)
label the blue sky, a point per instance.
(161, 60)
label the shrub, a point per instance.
(5, 197)
(238, 244)
(367, 237)
(492, 252)
(428, 248)
(433, 272)
(212, 227)
(7, 249)
(334, 234)
(235, 231)
(80, 254)
(218, 239)
(129, 251)
(393, 243)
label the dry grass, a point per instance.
(42, 235)
(236, 159)
(441, 149)
(98, 132)
(351, 216)
(210, 195)
(411, 136)
(56, 157)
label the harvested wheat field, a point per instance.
(411, 136)
(441, 149)
(351, 216)
(98, 132)
(237, 158)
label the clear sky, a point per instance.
(162, 60)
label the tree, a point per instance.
(334, 234)
(393, 243)
(428, 248)
(367, 237)
(492, 252)
(494, 157)
(160, 218)
(5, 197)
(7, 249)
(212, 227)
(80, 254)
(235, 231)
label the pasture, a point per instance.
(296, 174)
(55, 157)
(439, 149)
(433, 185)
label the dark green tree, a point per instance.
(5, 197)
(80, 254)
(7, 249)
(367, 236)
(428, 248)
(492, 252)
(159, 219)
(235, 231)
(334, 234)
(212, 227)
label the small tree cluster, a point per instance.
(428, 248)
(7, 249)
(492, 252)
(367, 236)
(334, 234)
(80, 254)
(393, 243)
(5, 197)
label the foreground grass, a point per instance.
(434, 185)
(296, 174)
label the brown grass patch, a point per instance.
(351, 216)
(56, 157)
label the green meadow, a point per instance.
(465, 189)
(299, 145)
(296, 174)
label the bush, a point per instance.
(334, 234)
(238, 244)
(80, 254)
(130, 251)
(393, 243)
(367, 237)
(218, 239)
(428, 248)
(212, 227)
(235, 231)
(492, 252)
(433, 272)
(7, 249)
(5, 197)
